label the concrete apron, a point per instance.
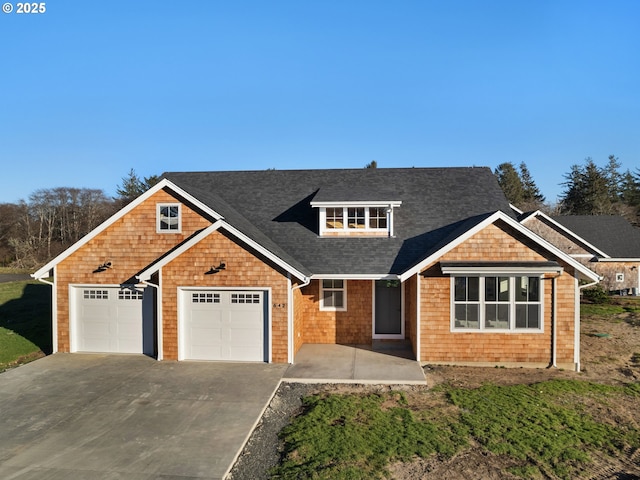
(128, 417)
(317, 363)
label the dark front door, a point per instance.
(388, 313)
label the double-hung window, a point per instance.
(168, 218)
(496, 303)
(333, 295)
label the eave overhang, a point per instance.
(498, 268)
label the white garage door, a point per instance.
(223, 325)
(109, 319)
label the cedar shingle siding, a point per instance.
(263, 226)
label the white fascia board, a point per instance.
(518, 271)
(146, 274)
(462, 238)
(359, 203)
(570, 233)
(618, 259)
(551, 248)
(274, 258)
(499, 215)
(515, 209)
(44, 271)
(355, 276)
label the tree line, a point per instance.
(588, 190)
(34, 231)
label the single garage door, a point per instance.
(223, 325)
(110, 320)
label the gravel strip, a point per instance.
(260, 454)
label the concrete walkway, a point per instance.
(128, 417)
(316, 363)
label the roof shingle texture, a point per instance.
(611, 234)
(273, 208)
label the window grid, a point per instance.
(333, 295)
(355, 217)
(335, 218)
(367, 218)
(96, 294)
(245, 298)
(127, 294)
(497, 303)
(169, 217)
(205, 298)
(377, 218)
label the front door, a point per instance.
(388, 309)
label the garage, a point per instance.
(109, 319)
(223, 325)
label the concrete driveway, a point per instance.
(128, 417)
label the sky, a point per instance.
(90, 90)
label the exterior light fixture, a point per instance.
(214, 270)
(103, 267)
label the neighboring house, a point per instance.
(609, 245)
(252, 265)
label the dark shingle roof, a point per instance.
(609, 233)
(273, 208)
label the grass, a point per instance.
(613, 306)
(25, 322)
(352, 437)
(544, 428)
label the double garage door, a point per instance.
(213, 324)
(222, 325)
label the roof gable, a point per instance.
(481, 223)
(614, 236)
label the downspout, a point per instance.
(554, 323)
(159, 315)
(305, 281)
(54, 311)
(418, 317)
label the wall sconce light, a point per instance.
(103, 267)
(219, 268)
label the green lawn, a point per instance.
(545, 429)
(25, 322)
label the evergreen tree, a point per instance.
(587, 191)
(614, 178)
(133, 186)
(510, 182)
(532, 197)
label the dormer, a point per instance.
(354, 213)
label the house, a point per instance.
(607, 244)
(249, 266)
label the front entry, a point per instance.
(388, 309)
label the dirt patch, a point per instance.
(610, 354)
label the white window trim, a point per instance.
(482, 303)
(345, 226)
(158, 223)
(344, 296)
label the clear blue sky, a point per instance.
(91, 89)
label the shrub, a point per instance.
(596, 294)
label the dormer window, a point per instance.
(374, 220)
(355, 212)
